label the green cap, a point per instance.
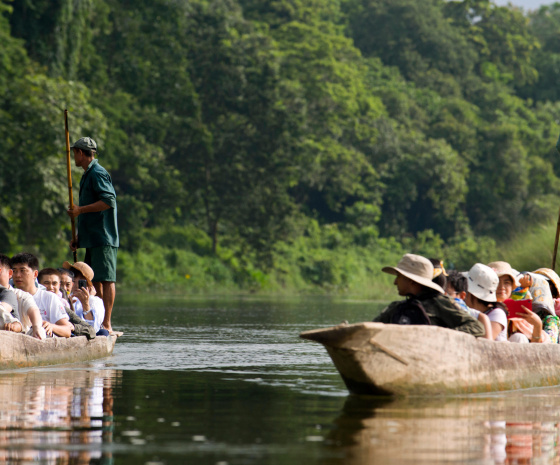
(85, 143)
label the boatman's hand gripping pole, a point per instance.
(69, 172)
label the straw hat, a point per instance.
(483, 282)
(551, 275)
(83, 268)
(417, 268)
(439, 269)
(505, 269)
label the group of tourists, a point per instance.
(493, 301)
(75, 299)
(50, 302)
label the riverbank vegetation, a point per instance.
(285, 146)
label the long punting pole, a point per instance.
(69, 173)
(556, 243)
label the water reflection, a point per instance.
(518, 428)
(62, 417)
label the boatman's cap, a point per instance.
(85, 143)
(483, 282)
(417, 268)
(81, 267)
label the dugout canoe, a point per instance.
(21, 351)
(395, 360)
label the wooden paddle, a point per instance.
(556, 243)
(69, 173)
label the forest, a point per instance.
(282, 145)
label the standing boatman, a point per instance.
(97, 223)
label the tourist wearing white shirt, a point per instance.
(25, 267)
(27, 309)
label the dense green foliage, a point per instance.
(282, 145)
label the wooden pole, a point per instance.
(69, 173)
(556, 243)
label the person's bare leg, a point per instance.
(98, 289)
(108, 296)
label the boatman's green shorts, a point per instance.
(103, 261)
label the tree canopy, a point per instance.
(252, 121)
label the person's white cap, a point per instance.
(417, 268)
(483, 282)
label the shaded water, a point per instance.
(229, 382)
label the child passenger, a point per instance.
(456, 288)
(482, 284)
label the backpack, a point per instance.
(410, 312)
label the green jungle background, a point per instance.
(289, 145)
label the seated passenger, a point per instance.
(25, 267)
(541, 324)
(554, 284)
(27, 311)
(8, 310)
(66, 281)
(456, 288)
(551, 323)
(523, 291)
(50, 278)
(482, 282)
(507, 277)
(87, 305)
(414, 281)
(440, 275)
(529, 327)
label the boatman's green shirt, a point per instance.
(98, 228)
(442, 312)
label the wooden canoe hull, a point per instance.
(382, 359)
(20, 351)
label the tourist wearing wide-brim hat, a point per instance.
(413, 278)
(507, 279)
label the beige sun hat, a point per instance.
(483, 282)
(417, 268)
(505, 269)
(83, 268)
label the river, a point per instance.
(228, 381)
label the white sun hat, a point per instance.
(483, 282)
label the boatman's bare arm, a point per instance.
(98, 206)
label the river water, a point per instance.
(228, 381)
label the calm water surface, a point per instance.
(229, 382)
